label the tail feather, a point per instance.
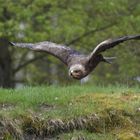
(108, 59)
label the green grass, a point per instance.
(67, 103)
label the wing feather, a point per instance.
(59, 51)
(110, 43)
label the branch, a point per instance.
(89, 33)
(23, 57)
(28, 62)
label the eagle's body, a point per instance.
(79, 65)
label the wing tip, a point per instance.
(137, 36)
(11, 43)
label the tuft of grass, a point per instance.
(72, 112)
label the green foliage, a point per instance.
(61, 22)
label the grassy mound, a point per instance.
(75, 112)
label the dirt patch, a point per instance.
(6, 106)
(46, 107)
(9, 129)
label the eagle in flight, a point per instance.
(79, 65)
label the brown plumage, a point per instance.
(79, 65)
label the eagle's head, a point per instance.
(77, 71)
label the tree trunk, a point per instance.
(6, 71)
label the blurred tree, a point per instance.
(6, 72)
(80, 23)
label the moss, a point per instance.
(127, 135)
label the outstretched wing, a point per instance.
(59, 51)
(110, 43)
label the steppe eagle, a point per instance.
(79, 65)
